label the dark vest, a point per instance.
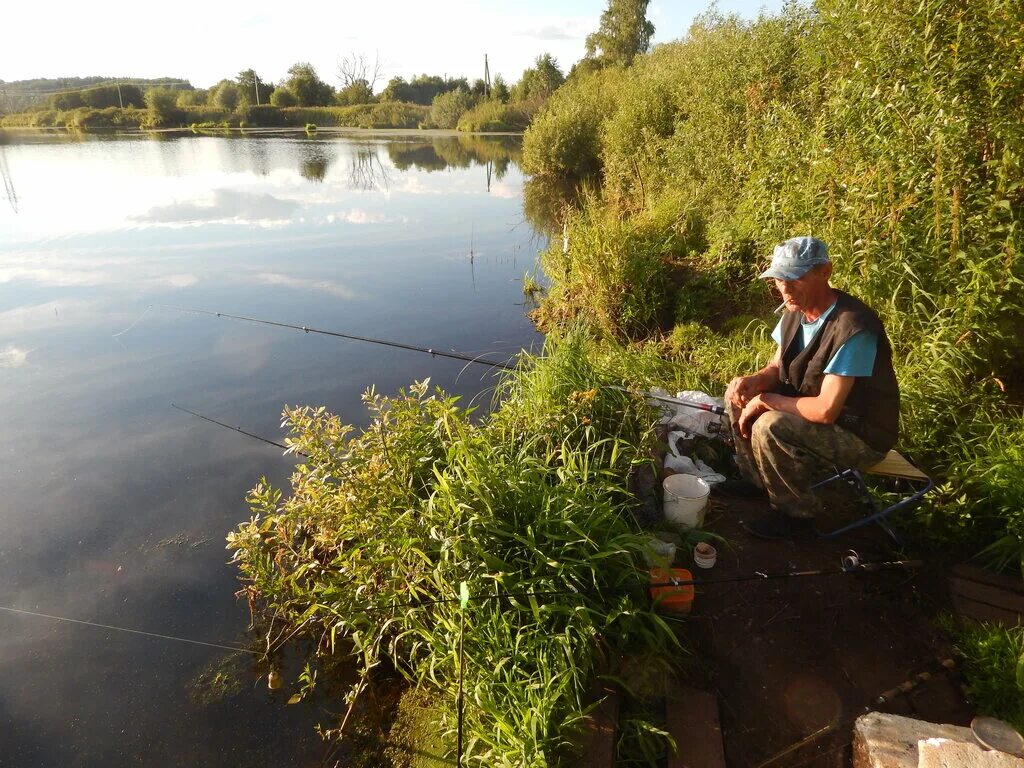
(872, 409)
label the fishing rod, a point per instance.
(717, 410)
(352, 337)
(849, 564)
(237, 429)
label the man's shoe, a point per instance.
(739, 488)
(777, 526)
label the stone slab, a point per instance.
(943, 753)
(890, 741)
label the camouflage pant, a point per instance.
(787, 454)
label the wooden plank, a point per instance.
(692, 719)
(985, 593)
(983, 612)
(1001, 580)
(601, 728)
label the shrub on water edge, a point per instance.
(381, 523)
(448, 108)
(563, 140)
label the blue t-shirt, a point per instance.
(855, 358)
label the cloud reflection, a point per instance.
(13, 357)
(227, 206)
(301, 283)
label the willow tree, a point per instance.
(623, 33)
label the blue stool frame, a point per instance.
(893, 465)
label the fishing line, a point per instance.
(130, 631)
(137, 321)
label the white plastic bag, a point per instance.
(697, 421)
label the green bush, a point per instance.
(447, 108)
(282, 97)
(493, 115)
(564, 139)
(163, 106)
(365, 557)
(993, 659)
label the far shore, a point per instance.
(422, 132)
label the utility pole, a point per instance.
(487, 77)
(119, 99)
(256, 85)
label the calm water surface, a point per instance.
(113, 505)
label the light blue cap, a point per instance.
(792, 259)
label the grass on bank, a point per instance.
(365, 556)
(889, 130)
(382, 115)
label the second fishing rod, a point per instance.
(450, 354)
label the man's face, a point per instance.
(800, 294)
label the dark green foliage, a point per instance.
(888, 129)
(282, 97)
(624, 32)
(358, 92)
(226, 95)
(251, 86)
(100, 97)
(162, 104)
(499, 89)
(197, 97)
(448, 107)
(539, 81)
(382, 524)
(309, 89)
(65, 93)
(993, 659)
(422, 89)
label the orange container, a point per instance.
(673, 599)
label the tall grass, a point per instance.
(366, 554)
(888, 129)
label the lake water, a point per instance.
(113, 505)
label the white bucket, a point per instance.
(686, 497)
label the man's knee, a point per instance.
(775, 425)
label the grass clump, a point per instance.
(993, 658)
(367, 554)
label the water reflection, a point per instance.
(315, 162)
(116, 505)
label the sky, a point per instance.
(204, 41)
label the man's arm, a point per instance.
(823, 409)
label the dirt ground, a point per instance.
(789, 658)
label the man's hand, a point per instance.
(754, 408)
(741, 390)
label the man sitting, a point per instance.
(828, 397)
